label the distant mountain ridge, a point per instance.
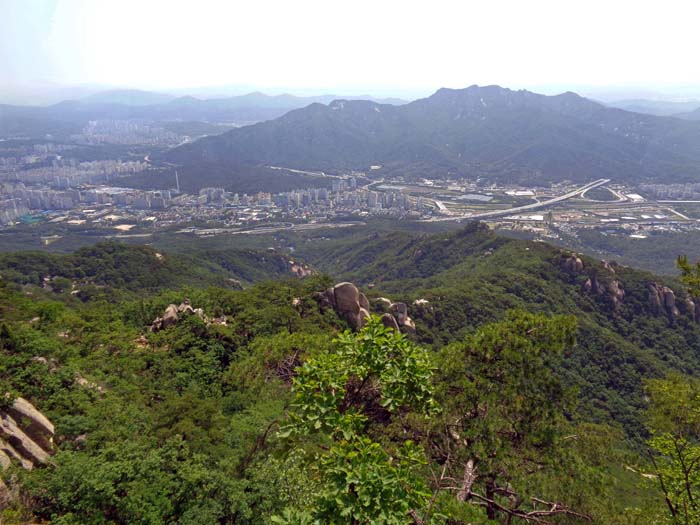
(692, 115)
(488, 131)
(128, 97)
(662, 108)
(68, 117)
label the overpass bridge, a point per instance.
(534, 206)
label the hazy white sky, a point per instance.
(362, 44)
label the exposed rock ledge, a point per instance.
(26, 439)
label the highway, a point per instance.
(530, 207)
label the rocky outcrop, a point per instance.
(353, 306)
(170, 318)
(234, 283)
(301, 270)
(608, 267)
(389, 321)
(382, 303)
(400, 313)
(611, 290)
(35, 424)
(173, 314)
(26, 440)
(662, 300)
(615, 293)
(422, 305)
(691, 306)
(26, 435)
(349, 303)
(572, 263)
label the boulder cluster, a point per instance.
(300, 270)
(353, 306)
(603, 282)
(662, 300)
(611, 289)
(348, 302)
(395, 315)
(174, 313)
(572, 263)
(26, 439)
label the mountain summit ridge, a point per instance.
(476, 131)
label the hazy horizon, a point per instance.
(308, 48)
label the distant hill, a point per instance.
(488, 132)
(128, 97)
(68, 117)
(141, 268)
(656, 107)
(692, 115)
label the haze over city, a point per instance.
(395, 48)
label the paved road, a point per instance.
(530, 207)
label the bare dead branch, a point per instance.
(467, 481)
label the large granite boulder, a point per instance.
(348, 302)
(170, 316)
(382, 303)
(400, 311)
(347, 297)
(184, 308)
(353, 306)
(615, 293)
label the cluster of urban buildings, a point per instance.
(19, 155)
(12, 209)
(689, 191)
(31, 198)
(68, 173)
(317, 201)
(126, 132)
(343, 194)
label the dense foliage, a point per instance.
(519, 398)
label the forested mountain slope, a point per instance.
(489, 131)
(240, 407)
(143, 269)
(631, 325)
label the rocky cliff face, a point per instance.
(26, 440)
